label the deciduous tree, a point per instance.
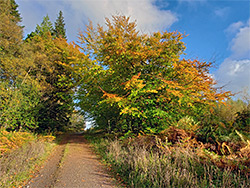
(142, 80)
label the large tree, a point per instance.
(10, 40)
(139, 81)
(18, 94)
(55, 61)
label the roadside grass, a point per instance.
(141, 165)
(21, 153)
(65, 152)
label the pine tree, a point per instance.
(60, 30)
(42, 30)
(45, 27)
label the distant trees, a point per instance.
(46, 27)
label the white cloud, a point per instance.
(234, 75)
(234, 27)
(241, 43)
(221, 12)
(149, 17)
(234, 72)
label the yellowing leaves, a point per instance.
(151, 91)
(111, 97)
(144, 74)
(129, 110)
(134, 82)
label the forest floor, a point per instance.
(72, 164)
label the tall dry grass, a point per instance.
(21, 153)
(143, 166)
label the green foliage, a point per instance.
(54, 60)
(45, 27)
(10, 42)
(220, 123)
(77, 122)
(14, 12)
(18, 104)
(19, 93)
(37, 76)
(242, 121)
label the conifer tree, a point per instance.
(45, 27)
(42, 30)
(60, 30)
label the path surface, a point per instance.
(71, 165)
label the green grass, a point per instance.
(141, 166)
(65, 152)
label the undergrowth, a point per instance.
(148, 162)
(21, 153)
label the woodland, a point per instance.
(136, 88)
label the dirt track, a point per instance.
(72, 164)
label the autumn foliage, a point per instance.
(143, 78)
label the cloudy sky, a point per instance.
(218, 30)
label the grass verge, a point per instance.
(19, 163)
(140, 165)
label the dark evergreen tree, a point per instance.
(60, 30)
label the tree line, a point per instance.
(125, 81)
(37, 83)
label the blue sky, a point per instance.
(218, 30)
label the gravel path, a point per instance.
(71, 165)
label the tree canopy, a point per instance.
(123, 80)
(139, 82)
